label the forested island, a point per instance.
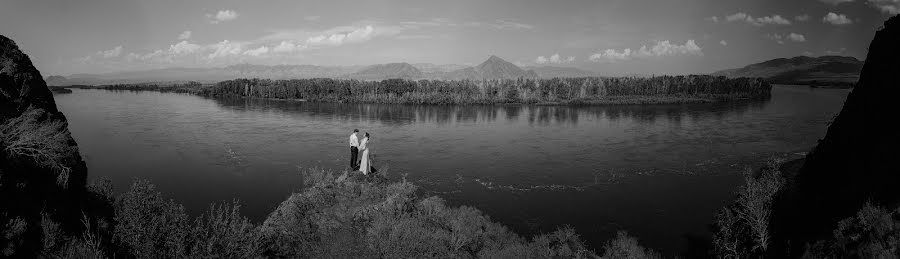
(555, 91)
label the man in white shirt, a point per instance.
(354, 150)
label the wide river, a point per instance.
(660, 172)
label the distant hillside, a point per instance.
(492, 68)
(551, 72)
(497, 68)
(388, 71)
(802, 70)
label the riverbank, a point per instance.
(556, 91)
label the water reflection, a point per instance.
(535, 115)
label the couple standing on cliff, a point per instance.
(359, 161)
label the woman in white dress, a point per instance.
(364, 147)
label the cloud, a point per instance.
(723, 43)
(776, 37)
(225, 48)
(184, 47)
(835, 52)
(836, 2)
(766, 20)
(659, 49)
(714, 19)
(796, 37)
(554, 59)
(184, 35)
(342, 37)
(222, 16)
(287, 47)
(802, 18)
(257, 51)
(891, 7)
(611, 55)
(664, 48)
(111, 53)
(836, 19)
(504, 24)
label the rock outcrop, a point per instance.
(858, 161)
(41, 172)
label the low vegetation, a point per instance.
(556, 91)
(586, 90)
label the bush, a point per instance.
(148, 225)
(625, 246)
(873, 233)
(223, 233)
(32, 137)
(743, 228)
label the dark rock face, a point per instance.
(858, 160)
(21, 85)
(41, 171)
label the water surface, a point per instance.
(658, 171)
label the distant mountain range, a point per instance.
(802, 70)
(492, 68)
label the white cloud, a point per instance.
(504, 24)
(891, 7)
(723, 43)
(714, 19)
(184, 35)
(659, 49)
(802, 18)
(664, 48)
(776, 37)
(611, 55)
(287, 46)
(836, 2)
(796, 37)
(836, 19)
(554, 59)
(111, 53)
(835, 52)
(257, 51)
(184, 47)
(766, 20)
(342, 37)
(224, 49)
(222, 16)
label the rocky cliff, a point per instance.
(41, 171)
(858, 161)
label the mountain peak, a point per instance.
(497, 68)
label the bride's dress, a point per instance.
(364, 164)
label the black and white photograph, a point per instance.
(449, 129)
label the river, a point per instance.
(658, 171)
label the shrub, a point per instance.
(873, 233)
(222, 232)
(33, 137)
(148, 225)
(743, 228)
(625, 246)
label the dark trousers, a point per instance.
(354, 158)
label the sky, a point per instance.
(612, 37)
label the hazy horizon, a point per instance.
(609, 37)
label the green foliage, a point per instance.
(873, 233)
(743, 228)
(150, 226)
(349, 216)
(557, 90)
(223, 233)
(32, 137)
(627, 247)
